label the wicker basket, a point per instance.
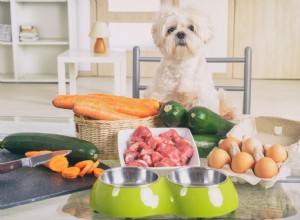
(104, 134)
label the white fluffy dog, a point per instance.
(180, 34)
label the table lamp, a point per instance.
(99, 31)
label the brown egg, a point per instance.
(249, 144)
(277, 153)
(265, 168)
(242, 162)
(226, 143)
(218, 158)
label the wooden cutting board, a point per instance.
(26, 185)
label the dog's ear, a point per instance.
(206, 30)
(203, 23)
(158, 22)
(155, 32)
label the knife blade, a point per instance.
(30, 161)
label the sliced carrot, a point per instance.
(70, 172)
(69, 177)
(98, 171)
(31, 153)
(36, 153)
(86, 168)
(57, 163)
(82, 164)
(95, 165)
(100, 111)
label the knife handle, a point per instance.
(9, 166)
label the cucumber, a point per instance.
(202, 120)
(173, 114)
(31, 141)
(206, 142)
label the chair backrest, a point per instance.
(246, 88)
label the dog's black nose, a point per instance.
(180, 35)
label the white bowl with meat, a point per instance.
(159, 149)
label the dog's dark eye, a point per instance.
(171, 29)
(191, 28)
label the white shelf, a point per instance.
(46, 41)
(36, 61)
(7, 77)
(5, 43)
(41, 1)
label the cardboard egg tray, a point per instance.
(269, 130)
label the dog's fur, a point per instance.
(181, 34)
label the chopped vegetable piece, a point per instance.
(36, 153)
(70, 172)
(86, 168)
(95, 165)
(57, 163)
(98, 171)
(82, 164)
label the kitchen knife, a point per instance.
(30, 161)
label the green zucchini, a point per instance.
(32, 141)
(206, 142)
(173, 114)
(202, 120)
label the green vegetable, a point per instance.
(173, 114)
(206, 142)
(31, 141)
(202, 120)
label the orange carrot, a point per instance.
(57, 163)
(99, 111)
(65, 101)
(36, 153)
(151, 103)
(31, 153)
(130, 106)
(138, 110)
(128, 109)
(136, 107)
(86, 168)
(70, 172)
(97, 171)
(94, 166)
(82, 164)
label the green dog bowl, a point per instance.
(133, 192)
(129, 192)
(200, 192)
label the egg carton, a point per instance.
(269, 130)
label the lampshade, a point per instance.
(99, 30)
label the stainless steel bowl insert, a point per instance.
(129, 177)
(196, 177)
